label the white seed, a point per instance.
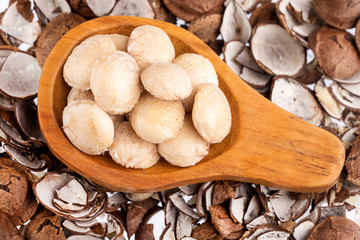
(115, 82)
(166, 81)
(211, 113)
(149, 44)
(200, 71)
(88, 127)
(76, 94)
(120, 41)
(129, 150)
(187, 148)
(77, 68)
(157, 120)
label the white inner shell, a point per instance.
(16, 25)
(296, 99)
(20, 75)
(277, 50)
(48, 7)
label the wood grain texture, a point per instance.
(266, 145)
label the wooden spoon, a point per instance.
(266, 145)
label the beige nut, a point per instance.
(187, 148)
(88, 127)
(211, 113)
(166, 81)
(115, 82)
(157, 120)
(149, 44)
(77, 68)
(200, 71)
(131, 151)
(76, 94)
(120, 41)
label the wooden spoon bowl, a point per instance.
(266, 144)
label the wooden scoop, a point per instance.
(266, 145)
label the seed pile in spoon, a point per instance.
(323, 93)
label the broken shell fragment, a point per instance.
(20, 75)
(345, 98)
(200, 71)
(235, 24)
(51, 9)
(167, 81)
(335, 51)
(297, 99)
(14, 24)
(230, 51)
(149, 44)
(276, 52)
(206, 27)
(73, 192)
(78, 66)
(211, 113)
(330, 105)
(164, 119)
(88, 127)
(115, 82)
(187, 148)
(137, 8)
(129, 150)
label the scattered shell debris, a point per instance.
(40, 198)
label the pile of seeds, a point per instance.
(296, 52)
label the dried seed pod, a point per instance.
(131, 151)
(78, 66)
(115, 82)
(149, 44)
(211, 113)
(339, 14)
(297, 99)
(276, 52)
(200, 71)
(120, 41)
(52, 33)
(167, 81)
(138, 8)
(187, 148)
(76, 94)
(20, 75)
(335, 51)
(156, 120)
(235, 24)
(88, 127)
(333, 228)
(14, 24)
(206, 27)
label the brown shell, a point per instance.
(353, 163)
(336, 52)
(161, 12)
(81, 7)
(206, 27)
(180, 11)
(339, 14)
(333, 228)
(7, 228)
(52, 33)
(266, 13)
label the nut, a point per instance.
(76, 94)
(88, 127)
(129, 150)
(115, 82)
(120, 41)
(211, 113)
(187, 148)
(200, 71)
(77, 68)
(156, 120)
(166, 81)
(149, 44)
